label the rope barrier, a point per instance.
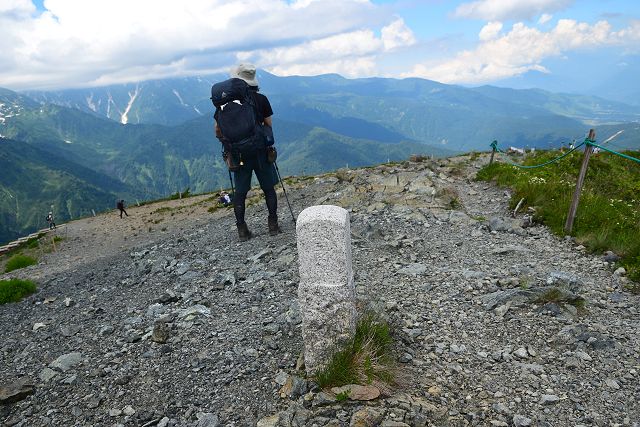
(494, 145)
(593, 143)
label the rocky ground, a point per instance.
(165, 319)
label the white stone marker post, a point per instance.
(326, 293)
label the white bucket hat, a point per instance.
(246, 72)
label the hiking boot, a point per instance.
(243, 232)
(274, 228)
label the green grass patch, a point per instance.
(15, 289)
(474, 155)
(557, 296)
(608, 216)
(634, 288)
(366, 359)
(341, 397)
(19, 261)
(32, 243)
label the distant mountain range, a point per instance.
(83, 149)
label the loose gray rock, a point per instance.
(549, 399)
(160, 332)
(67, 361)
(521, 421)
(15, 391)
(413, 269)
(207, 420)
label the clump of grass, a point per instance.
(343, 175)
(32, 243)
(19, 261)
(366, 359)
(457, 169)
(15, 289)
(58, 239)
(418, 158)
(163, 209)
(341, 397)
(450, 198)
(634, 288)
(608, 216)
(454, 204)
(557, 296)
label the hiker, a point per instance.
(120, 206)
(225, 199)
(247, 164)
(52, 224)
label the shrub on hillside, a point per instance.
(15, 289)
(19, 261)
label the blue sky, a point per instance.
(557, 44)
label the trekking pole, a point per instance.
(233, 190)
(293, 218)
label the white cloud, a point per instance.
(544, 18)
(502, 10)
(397, 34)
(523, 49)
(84, 42)
(490, 31)
(358, 67)
(351, 54)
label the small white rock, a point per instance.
(521, 353)
(584, 356)
(549, 399)
(612, 383)
(521, 421)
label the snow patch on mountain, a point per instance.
(109, 102)
(177, 94)
(91, 104)
(132, 97)
(613, 136)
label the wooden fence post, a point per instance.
(568, 226)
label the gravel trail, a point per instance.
(165, 319)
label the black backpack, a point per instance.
(237, 116)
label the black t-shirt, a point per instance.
(263, 104)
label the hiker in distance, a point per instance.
(225, 199)
(243, 124)
(52, 224)
(120, 206)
